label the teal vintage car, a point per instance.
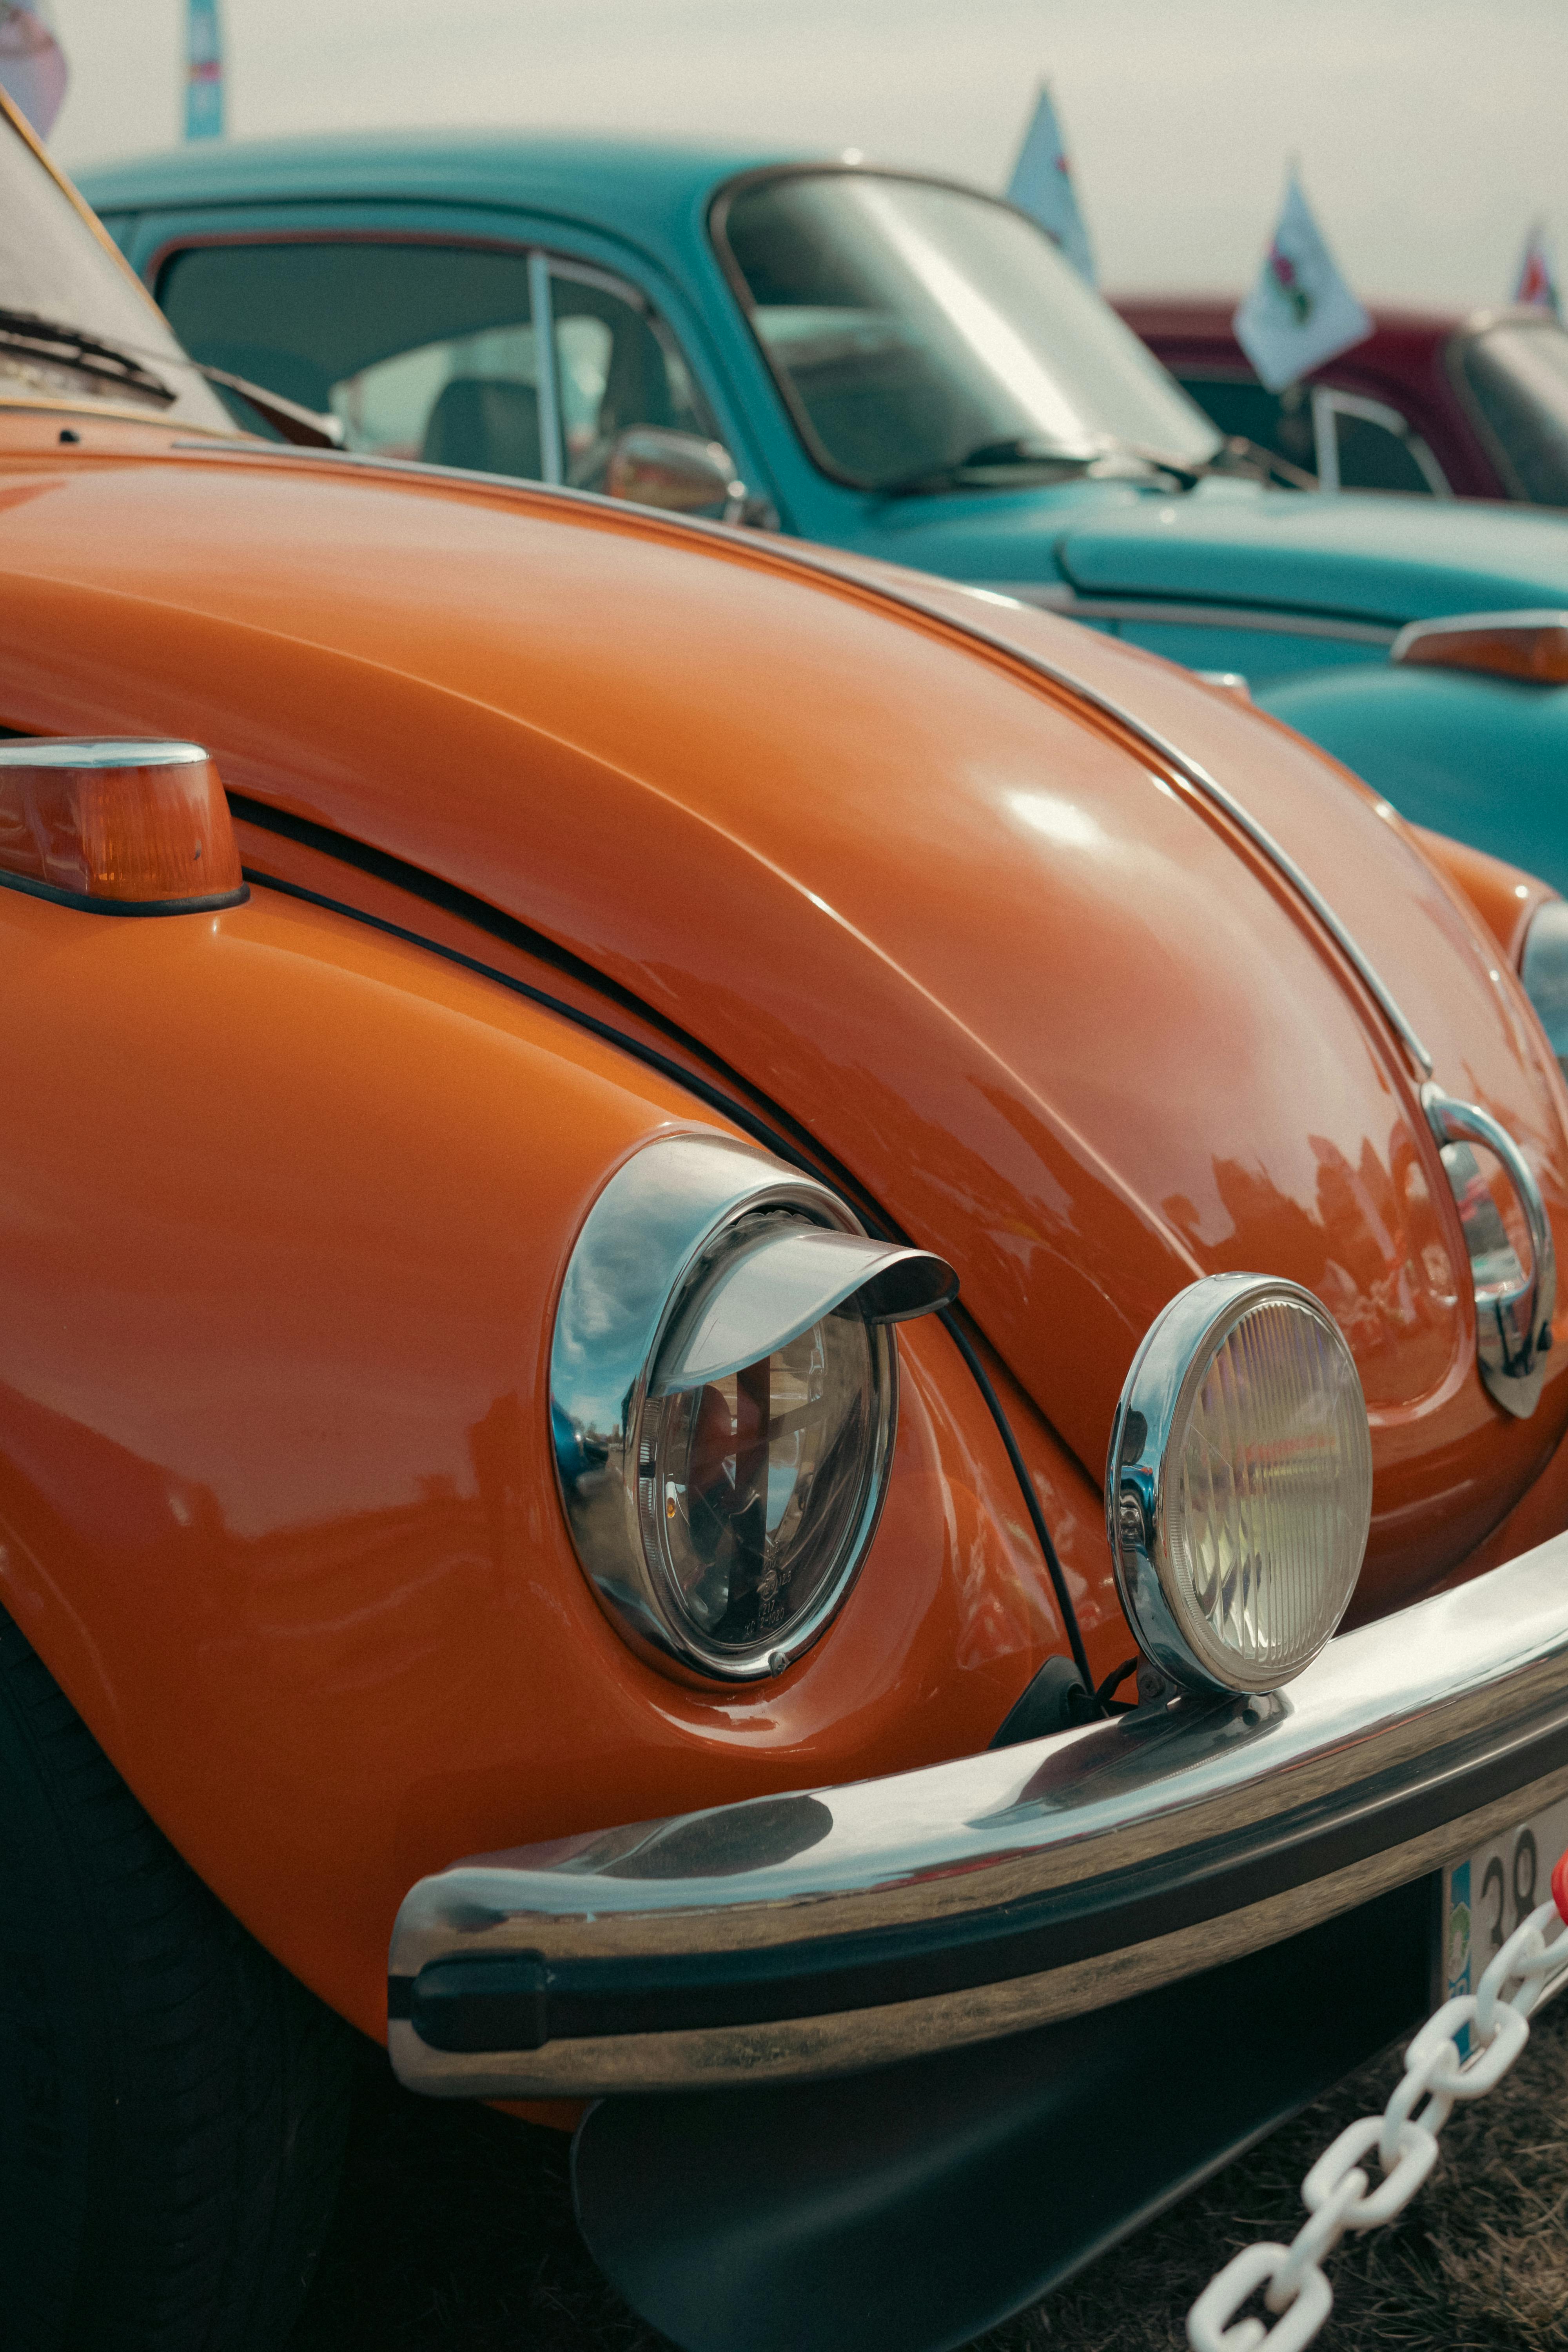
(883, 361)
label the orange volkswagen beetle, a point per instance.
(716, 1296)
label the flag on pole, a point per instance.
(204, 71)
(32, 64)
(1042, 186)
(1300, 312)
(1537, 286)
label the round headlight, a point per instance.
(724, 1391)
(1238, 1489)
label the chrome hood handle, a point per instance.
(1513, 1316)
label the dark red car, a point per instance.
(1469, 407)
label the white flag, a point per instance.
(1300, 312)
(1041, 185)
(32, 64)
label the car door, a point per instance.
(502, 354)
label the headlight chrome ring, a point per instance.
(1239, 1486)
(724, 1402)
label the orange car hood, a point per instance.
(1004, 967)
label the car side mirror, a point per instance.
(652, 467)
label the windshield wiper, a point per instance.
(1252, 454)
(57, 346)
(308, 428)
(1014, 455)
(120, 367)
(1236, 456)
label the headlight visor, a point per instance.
(723, 1399)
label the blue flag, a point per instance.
(1041, 185)
(204, 71)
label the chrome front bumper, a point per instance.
(835, 1930)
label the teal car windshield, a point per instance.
(920, 332)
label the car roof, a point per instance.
(584, 175)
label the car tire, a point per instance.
(173, 2104)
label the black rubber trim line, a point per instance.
(83, 902)
(714, 1096)
(459, 902)
(954, 1324)
(493, 2003)
(344, 850)
(774, 1127)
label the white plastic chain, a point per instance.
(1336, 2193)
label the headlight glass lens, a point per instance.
(1243, 1483)
(1267, 1517)
(753, 1489)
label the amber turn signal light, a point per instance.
(1532, 647)
(117, 825)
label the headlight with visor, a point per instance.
(723, 1400)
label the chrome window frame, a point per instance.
(1330, 402)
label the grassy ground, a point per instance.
(1478, 2263)
(454, 2233)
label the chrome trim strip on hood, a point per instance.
(831, 1929)
(1196, 775)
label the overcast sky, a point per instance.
(1430, 131)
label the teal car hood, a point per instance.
(1372, 559)
(1379, 559)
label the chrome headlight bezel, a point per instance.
(1149, 1431)
(644, 1310)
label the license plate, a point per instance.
(1488, 1894)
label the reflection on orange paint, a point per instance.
(288, 1215)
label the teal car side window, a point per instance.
(501, 361)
